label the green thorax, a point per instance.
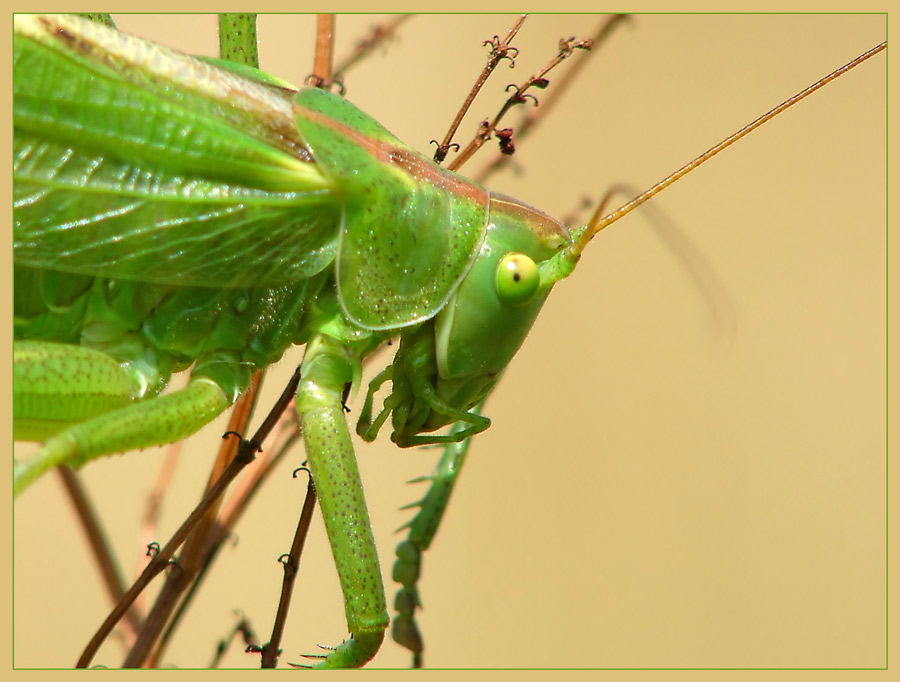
(410, 230)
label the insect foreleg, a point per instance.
(366, 427)
(415, 402)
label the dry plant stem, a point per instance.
(153, 507)
(566, 49)
(323, 61)
(246, 454)
(291, 563)
(160, 613)
(548, 102)
(192, 557)
(100, 548)
(244, 629)
(176, 582)
(237, 423)
(499, 50)
(207, 543)
(378, 36)
(287, 435)
(159, 561)
(231, 512)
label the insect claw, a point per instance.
(312, 656)
(306, 469)
(152, 549)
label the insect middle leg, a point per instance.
(328, 366)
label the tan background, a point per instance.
(667, 482)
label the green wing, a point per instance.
(410, 231)
(134, 161)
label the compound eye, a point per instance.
(518, 279)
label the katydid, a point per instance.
(724, 230)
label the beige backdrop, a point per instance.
(677, 475)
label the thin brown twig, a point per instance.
(153, 506)
(234, 506)
(242, 628)
(560, 87)
(217, 531)
(100, 548)
(237, 423)
(192, 556)
(160, 560)
(291, 562)
(230, 514)
(378, 35)
(246, 453)
(323, 61)
(519, 96)
(500, 49)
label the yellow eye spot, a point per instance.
(518, 279)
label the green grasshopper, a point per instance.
(582, 301)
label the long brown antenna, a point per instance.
(597, 223)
